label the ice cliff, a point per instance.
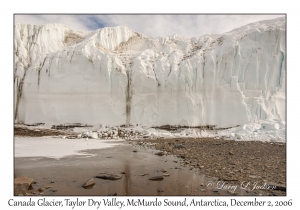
(117, 76)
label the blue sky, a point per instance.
(151, 25)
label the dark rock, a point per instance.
(230, 153)
(134, 150)
(160, 190)
(89, 184)
(178, 146)
(157, 178)
(159, 153)
(112, 194)
(109, 176)
(41, 190)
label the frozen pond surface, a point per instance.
(57, 147)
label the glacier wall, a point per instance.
(116, 76)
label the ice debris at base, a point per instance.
(116, 76)
(263, 131)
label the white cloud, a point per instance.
(185, 25)
(151, 25)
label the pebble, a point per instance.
(88, 184)
(156, 178)
(159, 153)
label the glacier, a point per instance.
(115, 76)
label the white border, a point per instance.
(254, 6)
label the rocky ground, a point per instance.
(232, 161)
(259, 165)
(34, 132)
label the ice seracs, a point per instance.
(117, 76)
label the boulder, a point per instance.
(22, 183)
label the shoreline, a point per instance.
(191, 164)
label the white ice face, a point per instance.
(115, 76)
